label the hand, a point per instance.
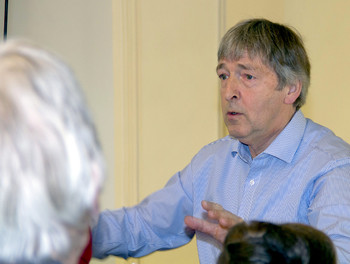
(224, 221)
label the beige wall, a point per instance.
(167, 93)
(148, 69)
(325, 28)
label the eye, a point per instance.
(249, 77)
(223, 76)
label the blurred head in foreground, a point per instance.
(51, 166)
(263, 243)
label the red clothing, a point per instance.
(87, 254)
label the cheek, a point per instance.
(224, 102)
(267, 110)
(222, 95)
(252, 102)
(257, 108)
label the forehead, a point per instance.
(245, 62)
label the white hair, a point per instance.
(51, 165)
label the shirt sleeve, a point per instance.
(330, 209)
(157, 223)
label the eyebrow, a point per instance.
(220, 66)
(241, 66)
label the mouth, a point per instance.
(233, 116)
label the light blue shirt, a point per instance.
(303, 176)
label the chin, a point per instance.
(235, 134)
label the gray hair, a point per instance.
(51, 166)
(278, 46)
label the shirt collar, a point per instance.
(285, 144)
(242, 150)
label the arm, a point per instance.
(329, 210)
(223, 221)
(154, 224)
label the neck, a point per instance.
(265, 142)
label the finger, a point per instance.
(211, 206)
(228, 222)
(216, 212)
(206, 227)
(201, 225)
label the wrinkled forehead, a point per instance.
(245, 60)
(237, 52)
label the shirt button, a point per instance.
(252, 182)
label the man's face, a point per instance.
(254, 110)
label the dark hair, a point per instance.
(278, 46)
(263, 243)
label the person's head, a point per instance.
(278, 46)
(51, 167)
(267, 243)
(265, 74)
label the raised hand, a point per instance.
(218, 229)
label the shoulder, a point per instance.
(323, 141)
(218, 148)
(225, 143)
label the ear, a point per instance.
(293, 92)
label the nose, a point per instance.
(230, 90)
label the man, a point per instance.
(275, 165)
(51, 166)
